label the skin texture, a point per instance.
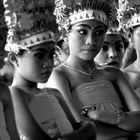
(81, 58)
(39, 63)
(112, 51)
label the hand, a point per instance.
(103, 116)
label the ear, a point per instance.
(13, 59)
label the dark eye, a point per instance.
(105, 47)
(99, 32)
(83, 31)
(51, 53)
(39, 55)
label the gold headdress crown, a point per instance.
(129, 13)
(69, 12)
(30, 22)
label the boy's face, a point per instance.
(37, 65)
(112, 51)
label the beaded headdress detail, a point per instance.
(30, 22)
(69, 12)
(129, 13)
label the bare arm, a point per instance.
(86, 131)
(128, 121)
(5, 97)
(127, 92)
(26, 124)
(59, 81)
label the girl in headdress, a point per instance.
(41, 114)
(101, 93)
(113, 49)
(129, 16)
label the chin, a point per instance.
(43, 80)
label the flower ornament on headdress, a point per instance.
(30, 22)
(69, 12)
(129, 13)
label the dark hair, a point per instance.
(60, 43)
(125, 41)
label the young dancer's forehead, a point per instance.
(90, 25)
(44, 47)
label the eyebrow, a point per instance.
(107, 42)
(90, 27)
(118, 41)
(40, 49)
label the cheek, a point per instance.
(74, 40)
(121, 54)
(100, 42)
(101, 57)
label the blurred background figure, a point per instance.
(131, 24)
(5, 67)
(6, 73)
(130, 55)
(62, 52)
(113, 49)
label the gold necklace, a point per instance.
(91, 76)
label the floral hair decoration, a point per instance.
(29, 22)
(69, 12)
(128, 14)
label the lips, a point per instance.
(113, 63)
(46, 73)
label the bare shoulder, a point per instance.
(59, 73)
(61, 69)
(16, 90)
(111, 71)
(54, 91)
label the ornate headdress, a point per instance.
(30, 22)
(69, 12)
(129, 13)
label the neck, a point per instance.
(81, 64)
(18, 81)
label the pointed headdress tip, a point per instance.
(29, 22)
(69, 12)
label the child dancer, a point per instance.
(31, 45)
(101, 93)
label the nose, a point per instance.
(112, 53)
(48, 63)
(90, 39)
